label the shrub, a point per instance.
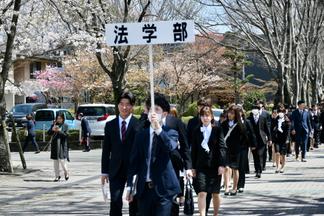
(138, 110)
(73, 136)
(192, 110)
(250, 98)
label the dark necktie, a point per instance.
(123, 131)
(153, 152)
(154, 145)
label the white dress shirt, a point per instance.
(206, 133)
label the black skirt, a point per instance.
(281, 148)
(207, 181)
(233, 161)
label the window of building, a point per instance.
(34, 66)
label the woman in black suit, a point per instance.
(248, 142)
(208, 160)
(235, 136)
(280, 134)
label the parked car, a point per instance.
(97, 115)
(217, 113)
(20, 111)
(44, 118)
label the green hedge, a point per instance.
(192, 110)
(186, 119)
(73, 136)
(138, 110)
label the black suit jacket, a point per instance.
(240, 138)
(201, 160)
(278, 136)
(163, 175)
(250, 135)
(261, 129)
(193, 124)
(182, 154)
(115, 154)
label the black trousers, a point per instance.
(265, 152)
(243, 163)
(175, 206)
(270, 153)
(317, 138)
(258, 157)
(117, 186)
(301, 143)
(151, 204)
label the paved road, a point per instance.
(299, 191)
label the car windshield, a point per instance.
(22, 109)
(217, 113)
(92, 111)
(44, 115)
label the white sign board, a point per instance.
(145, 33)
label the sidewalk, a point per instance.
(299, 191)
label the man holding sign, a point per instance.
(157, 183)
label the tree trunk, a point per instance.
(5, 162)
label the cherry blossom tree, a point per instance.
(87, 20)
(191, 70)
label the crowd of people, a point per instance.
(152, 157)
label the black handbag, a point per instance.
(189, 202)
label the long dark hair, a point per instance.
(236, 109)
(60, 114)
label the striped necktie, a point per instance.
(123, 131)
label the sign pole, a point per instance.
(151, 69)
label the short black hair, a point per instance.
(159, 100)
(259, 102)
(127, 95)
(255, 107)
(301, 102)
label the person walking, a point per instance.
(59, 146)
(85, 133)
(116, 152)
(316, 124)
(193, 124)
(150, 160)
(301, 127)
(280, 137)
(208, 160)
(267, 148)
(263, 136)
(249, 141)
(30, 134)
(234, 137)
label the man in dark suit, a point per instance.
(267, 149)
(262, 133)
(118, 143)
(316, 124)
(301, 127)
(157, 183)
(181, 156)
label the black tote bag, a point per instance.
(189, 202)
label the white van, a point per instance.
(97, 115)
